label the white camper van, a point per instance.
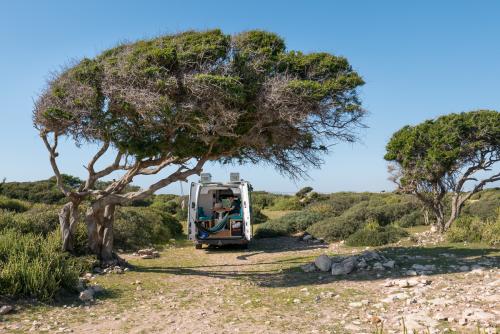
(220, 213)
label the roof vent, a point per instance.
(234, 177)
(205, 177)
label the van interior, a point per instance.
(220, 213)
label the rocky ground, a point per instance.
(284, 285)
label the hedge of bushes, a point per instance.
(342, 215)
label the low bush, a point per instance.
(262, 199)
(483, 204)
(288, 224)
(135, 228)
(34, 266)
(413, 218)
(474, 229)
(335, 228)
(40, 219)
(286, 203)
(258, 216)
(13, 204)
(372, 234)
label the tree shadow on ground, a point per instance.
(287, 272)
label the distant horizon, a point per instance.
(419, 60)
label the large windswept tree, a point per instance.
(182, 100)
(453, 154)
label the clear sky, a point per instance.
(420, 59)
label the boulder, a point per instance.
(87, 295)
(323, 262)
(378, 266)
(343, 268)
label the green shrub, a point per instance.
(465, 229)
(268, 230)
(13, 204)
(473, 229)
(491, 231)
(262, 199)
(34, 266)
(44, 191)
(372, 234)
(140, 227)
(40, 219)
(335, 228)
(258, 217)
(337, 203)
(288, 224)
(413, 218)
(286, 203)
(483, 204)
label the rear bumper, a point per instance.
(221, 242)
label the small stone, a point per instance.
(87, 295)
(309, 267)
(389, 264)
(296, 301)
(355, 304)
(462, 321)
(6, 309)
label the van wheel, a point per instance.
(198, 246)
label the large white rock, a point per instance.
(323, 262)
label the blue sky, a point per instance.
(419, 59)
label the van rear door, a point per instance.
(192, 209)
(247, 215)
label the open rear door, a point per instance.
(192, 209)
(247, 214)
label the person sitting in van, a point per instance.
(235, 206)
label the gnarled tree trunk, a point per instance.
(68, 219)
(99, 220)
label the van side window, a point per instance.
(193, 205)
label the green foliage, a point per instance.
(303, 192)
(135, 228)
(483, 204)
(285, 203)
(186, 93)
(386, 209)
(34, 266)
(413, 218)
(40, 219)
(372, 234)
(474, 229)
(258, 216)
(338, 203)
(262, 199)
(442, 155)
(288, 224)
(44, 191)
(13, 204)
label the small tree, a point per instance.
(177, 101)
(451, 154)
(304, 192)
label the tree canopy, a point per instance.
(241, 97)
(444, 155)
